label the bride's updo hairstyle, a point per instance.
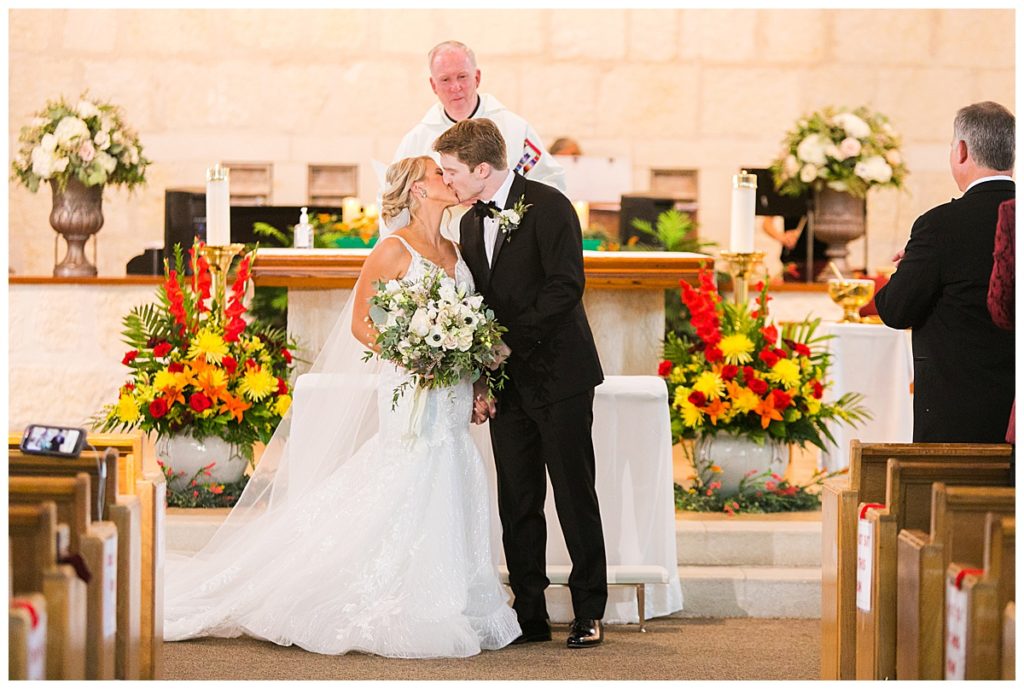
(398, 185)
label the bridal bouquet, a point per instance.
(438, 331)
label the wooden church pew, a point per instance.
(839, 499)
(125, 512)
(96, 542)
(1009, 670)
(956, 533)
(26, 640)
(129, 447)
(986, 592)
(33, 534)
(907, 505)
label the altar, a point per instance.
(624, 297)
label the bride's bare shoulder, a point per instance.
(389, 256)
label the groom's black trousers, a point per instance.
(525, 441)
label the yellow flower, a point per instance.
(813, 405)
(678, 375)
(127, 409)
(681, 394)
(736, 348)
(282, 404)
(209, 344)
(785, 372)
(165, 379)
(691, 414)
(253, 344)
(710, 383)
(743, 399)
(257, 383)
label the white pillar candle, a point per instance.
(583, 211)
(371, 210)
(350, 208)
(218, 206)
(741, 230)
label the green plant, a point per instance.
(185, 491)
(673, 231)
(87, 141)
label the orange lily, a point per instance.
(768, 412)
(235, 406)
(715, 409)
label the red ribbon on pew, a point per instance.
(870, 506)
(959, 580)
(25, 605)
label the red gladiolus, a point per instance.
(768, 357)
(288, 356)
(229, 363)
(770, 334)
(175, 367)
(816, 389)
(199, 402)
(664, 368)
(158, 407)
(162, 349)
(130, 357)
(282, 387)
(697, 398)
(175, 297)
(781, 399)
(128, 387)
(234, 328)
(202, 281)
(729, 371)
(757, 385)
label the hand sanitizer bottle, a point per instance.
(303, 232)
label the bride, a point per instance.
(349, 537)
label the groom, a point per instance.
(529, 267)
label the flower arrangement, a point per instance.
(844, 150)
(758, 493)
(329, 230)
(87, 141)
(436, 330)
(733, 372)
(509, 218)
(197, 368)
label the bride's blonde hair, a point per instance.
(398, 185)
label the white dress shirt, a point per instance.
(491, 224)
(987, 179)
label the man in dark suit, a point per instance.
(963, 363)
(528, 264)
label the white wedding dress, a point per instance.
(386, 551)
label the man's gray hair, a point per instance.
(987, 129)
(450, 45)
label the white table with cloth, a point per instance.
(633, 448)
(877, 362)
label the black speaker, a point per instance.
(648, 206)
(771, 202)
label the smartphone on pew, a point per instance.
(56, 441)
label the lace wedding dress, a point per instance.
(385, 551)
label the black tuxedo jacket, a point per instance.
(963, 363)
(535, 287)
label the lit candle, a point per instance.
(350, 208)
(218, 207)
(371, 210)
(741, 229)
(583, 211)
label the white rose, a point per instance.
(86, 151)
(69, 129)
(117, 137)
(849, 147)
(893, 157)
(873, 169)
(790, 166)
(102, 140)
(465, 342)
(447, 292)
(811, 150)
(42, 162)
(854, 126)
(106, 123)
(808, 173)
(61, 164)
(49, 143)
(512, 216)
(419, 324)
(107, 161)
(832, 151)
(133, 155)
(392, 287)
(86, 109)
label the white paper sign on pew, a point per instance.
(865, 550)
(110, 583)
(956, 630)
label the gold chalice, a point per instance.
(851, 294)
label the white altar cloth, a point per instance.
(876, 361)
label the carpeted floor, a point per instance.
(673, 648)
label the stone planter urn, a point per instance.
(737, 456)
(77, 215)
(182, 453)
(839, 218)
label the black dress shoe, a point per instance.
(533, 631)
(585, 633)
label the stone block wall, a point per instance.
(704, 89)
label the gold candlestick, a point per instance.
(741, 265)
(220, 258)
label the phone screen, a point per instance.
(52, 440)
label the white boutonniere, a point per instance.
(509, 219)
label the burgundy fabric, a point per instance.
(869, 308)
(1000, 285)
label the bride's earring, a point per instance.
(423, 193)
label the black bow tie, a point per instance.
(484, 210)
